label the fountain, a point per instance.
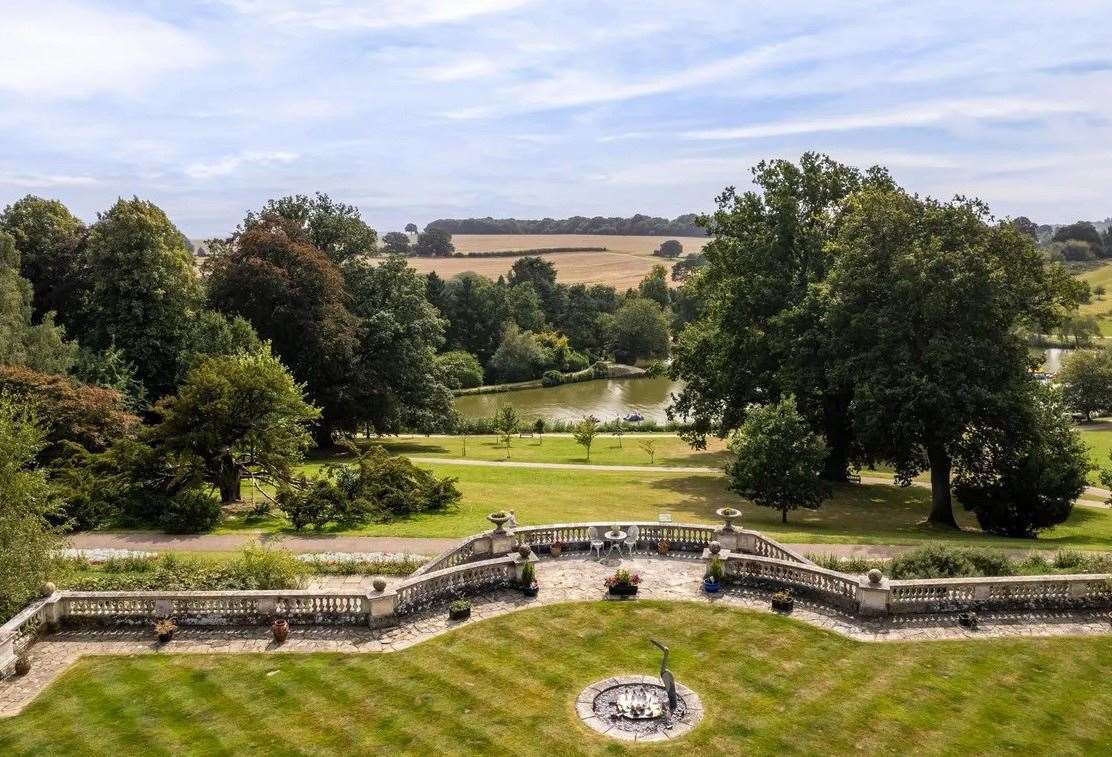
(641, 708)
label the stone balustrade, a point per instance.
(492, 559)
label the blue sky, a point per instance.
(414, 110)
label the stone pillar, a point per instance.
(519, 564)
(163, 608)
(54, 609)
(746, 542)
(480, 547)
(382, 608)
(7, 655)
(730, 540)
(873, 593)
(502, 543)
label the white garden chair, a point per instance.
(596, 541)
(632, 535)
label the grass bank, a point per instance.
(770, 685)
(857, 514)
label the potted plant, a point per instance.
(460, 609)
(499, 519)
(623, 583)
(968, 619)
(663, 547)
(782, 601)
(22, 665)
(712, 580)
(556, 548)
(529, 585)
(281, 630)
(164, 628)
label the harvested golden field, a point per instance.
(623, 265)
(633, 245)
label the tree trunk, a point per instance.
(783, 516)
(230, 479)
(322, 434)
(942, 506)
(837, 433)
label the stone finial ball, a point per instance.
(379, 584)
(875, 576)
(47, 589)
(715, 547)
(524, 550)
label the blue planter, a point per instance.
(710, 586)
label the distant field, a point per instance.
(625, 263)
(1101, 308)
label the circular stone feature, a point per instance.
(635, 708)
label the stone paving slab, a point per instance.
(569, 578)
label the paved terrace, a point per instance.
(572, 577)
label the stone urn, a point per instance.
(22, 665)
(379, 584)
(281, 630)
(499, 519)
(728, 514)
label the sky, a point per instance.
(414, 110)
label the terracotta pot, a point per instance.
(281, 630)
(556, 550)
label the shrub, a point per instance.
(461, 370)
(932, 561)
(261, 568)
(377, 487)
(552, 378)
(190, 512)
(528, 575)
(459, 605)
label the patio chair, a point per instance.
(632, 535)
(596, 541)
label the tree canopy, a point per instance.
(433, 243)
(336, 229)
(139, 291)
(640, 330)
(41, 346)
(46, 236)
(927, 304)
(779, 460)
(760, 335)
(235, 415)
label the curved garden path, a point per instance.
(570, 578)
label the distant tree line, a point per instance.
(637, 225)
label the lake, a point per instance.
(603, 399)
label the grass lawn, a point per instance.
(1098, 436)
(670, 450)
(1101, 308)
(873, 514)
(770, 685)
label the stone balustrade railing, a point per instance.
(947, 594)
(493, 559)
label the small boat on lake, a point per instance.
(634, 417)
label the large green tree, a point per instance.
(46, 236)
(1086, 380)
(235, 415)
(927, 307)
(26, 536)
(1022, 475)
(296, 298)
(760, 333)
(139, 291)
(397, 381)
(640, 330)
(336, 229)
(42, 346)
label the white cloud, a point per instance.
(915, 115)
(338, 15)
(45, 181)
(58, 49)
(230, 164)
